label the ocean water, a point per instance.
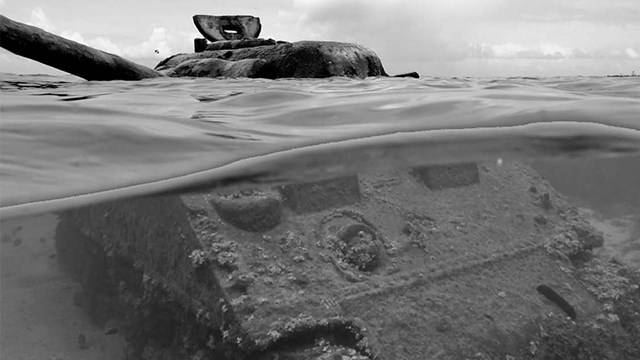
(66, 143)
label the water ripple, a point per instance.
(165, 134)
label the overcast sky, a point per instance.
(433, 37)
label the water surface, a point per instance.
(66, 142)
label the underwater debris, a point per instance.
(361, 248)
(544, 201)
(198, 257)
(550, 294)
(575, 240)
(257, 212)
(562, 339)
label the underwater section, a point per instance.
(472, 260)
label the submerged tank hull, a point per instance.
(433, 262)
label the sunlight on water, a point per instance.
(318, 219)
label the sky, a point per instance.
(477, 38)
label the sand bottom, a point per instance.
(38, 318)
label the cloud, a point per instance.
(162, 43)
(631, 53)
(40, 19)
(409, 34)
(158, 40)
(618, 12)
(545, 51)
(396, 29)
(100, 42)
(159, 44)
(485, 37)
(451, 30)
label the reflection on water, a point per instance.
(334, 219)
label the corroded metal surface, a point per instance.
(228, 27)
(374, 266)
(301, 59)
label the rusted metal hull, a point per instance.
(228, 27)
(402, 264)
